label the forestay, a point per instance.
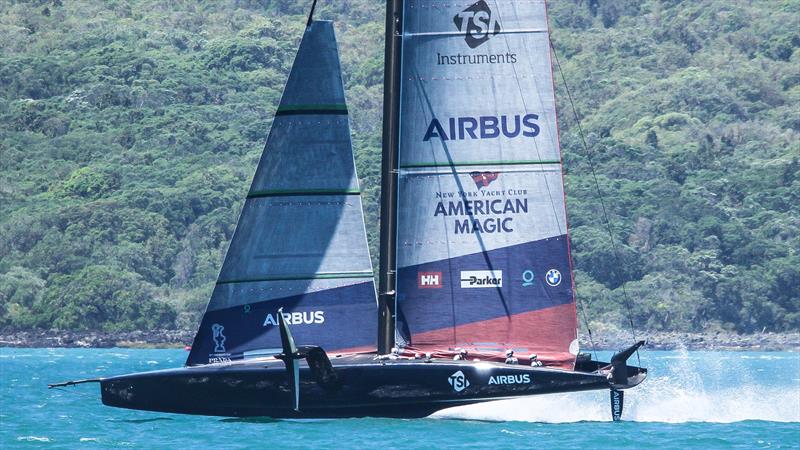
(483, 255)
(300, 242)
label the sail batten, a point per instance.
(289, 193)
(311, 109)
(300, 242)
(461, 34)
(482, 246)
(316, 276)
(478, 163)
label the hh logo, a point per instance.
(477, 24)
(483, 179)
(459, 381)
(429, 280)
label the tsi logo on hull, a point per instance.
(459, 381)
(510, 379)
(481, 278)
(297, 318)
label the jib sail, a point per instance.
(483, 255)
(300, 242)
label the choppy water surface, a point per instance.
(691, 399)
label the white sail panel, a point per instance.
(456, 211)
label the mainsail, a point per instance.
(300, 242)
(482, 249)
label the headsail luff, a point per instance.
(483, 256)
(300, 242)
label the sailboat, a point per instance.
(475, 273)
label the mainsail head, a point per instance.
(482, 248)
(300, 243)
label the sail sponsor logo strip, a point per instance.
(315, 276)
(338, 318)
(483, 127)
(296, 318)
(305, 109)
(481, 278)
(429, 280)
(467, 210)
(477, 24)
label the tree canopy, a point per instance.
(129, 132)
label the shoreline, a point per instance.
(789, 341)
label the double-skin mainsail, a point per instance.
(482, 250)
(300, 242)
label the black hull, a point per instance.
(363, 387)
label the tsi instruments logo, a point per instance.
(429, 280)
(510, 379)
(459, 381)
(297, 318)
(481, 278)
(477, 24)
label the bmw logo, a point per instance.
(553, 277)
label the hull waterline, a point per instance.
(363, 387)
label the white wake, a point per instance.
(673, 393)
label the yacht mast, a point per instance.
(391, 120)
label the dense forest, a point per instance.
(130, 130)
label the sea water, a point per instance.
(690, 400)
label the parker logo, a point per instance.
(297, 318)
(459, 381)
(510, 379)
(481, 278)
(477, 24)
(429, 280)
(483, 179)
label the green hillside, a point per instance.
(129, 132)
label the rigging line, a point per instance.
(311, 14)
(426, 107)
(547, 183)
(588, 328)
(454, 172)
(422, 98)
(535, 142)
(607, 221)
(73, 392)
